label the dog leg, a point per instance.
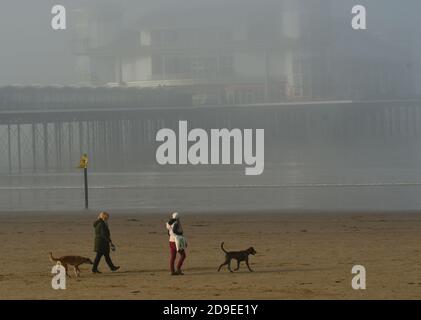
(225, 263)
(247, 263)
(67, 270)
(229, 266)
(238, 265)
(75, 271)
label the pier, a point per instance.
(41, 134)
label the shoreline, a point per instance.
(219, 212)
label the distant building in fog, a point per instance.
(285, 51)
(95, 28)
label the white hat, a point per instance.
(175, 215)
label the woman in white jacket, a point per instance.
(177, 243)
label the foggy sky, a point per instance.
(32, 53)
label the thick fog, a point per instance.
(32, 53)
(341, 108)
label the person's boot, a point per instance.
(115, 268)
(96, 271)
(179, 272)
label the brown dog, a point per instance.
(74, 261)
(237, 255)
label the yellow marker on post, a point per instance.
(83, 164)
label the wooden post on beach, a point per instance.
(83, 164)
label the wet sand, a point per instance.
(300, 256)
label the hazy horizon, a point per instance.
(32, 53)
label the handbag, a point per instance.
(180, 243)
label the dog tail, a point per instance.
(222, 247)
(52, 259)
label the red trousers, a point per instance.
(173, 254)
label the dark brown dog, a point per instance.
(237, 255)
(74, 261)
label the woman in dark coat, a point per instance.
(103, 242)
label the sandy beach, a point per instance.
(300, 256)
